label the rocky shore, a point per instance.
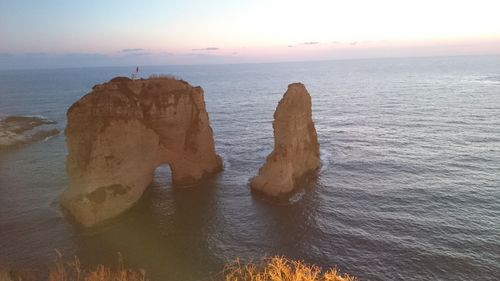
(16, 131)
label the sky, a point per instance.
(72, 33)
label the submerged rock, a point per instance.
(20, 130)
(296, 147)
(121, 131)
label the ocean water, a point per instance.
(409, 187)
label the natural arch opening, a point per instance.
(162, 177)
(118, 133)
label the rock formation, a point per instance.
(121, 131)
(20, 130)
(296, 147)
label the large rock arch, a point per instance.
(121, 131)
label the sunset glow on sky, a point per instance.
(186, 32)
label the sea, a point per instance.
(409, 186)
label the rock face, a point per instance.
(296, 147)
(121, 131)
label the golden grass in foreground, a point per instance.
(272, 269)
(281, 269)
(73, 271)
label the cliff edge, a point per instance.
(296, 147)
(121, 131)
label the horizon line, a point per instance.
(253, 63)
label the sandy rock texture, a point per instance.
(296, 147)
(118, 134)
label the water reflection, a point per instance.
(183, 233)
(286, 223)
(165, 234)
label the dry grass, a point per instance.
(73, 271)
(281, 269)
(163, 76)
(271, 269)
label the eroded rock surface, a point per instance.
(296, 147)
(121, 131)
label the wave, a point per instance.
(488, 79)
(326, 159)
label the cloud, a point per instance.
(335, 42)
(206, 49)
(138, 54)
(132, 50)
(291, 46)
(353, 43)
(311, 43)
